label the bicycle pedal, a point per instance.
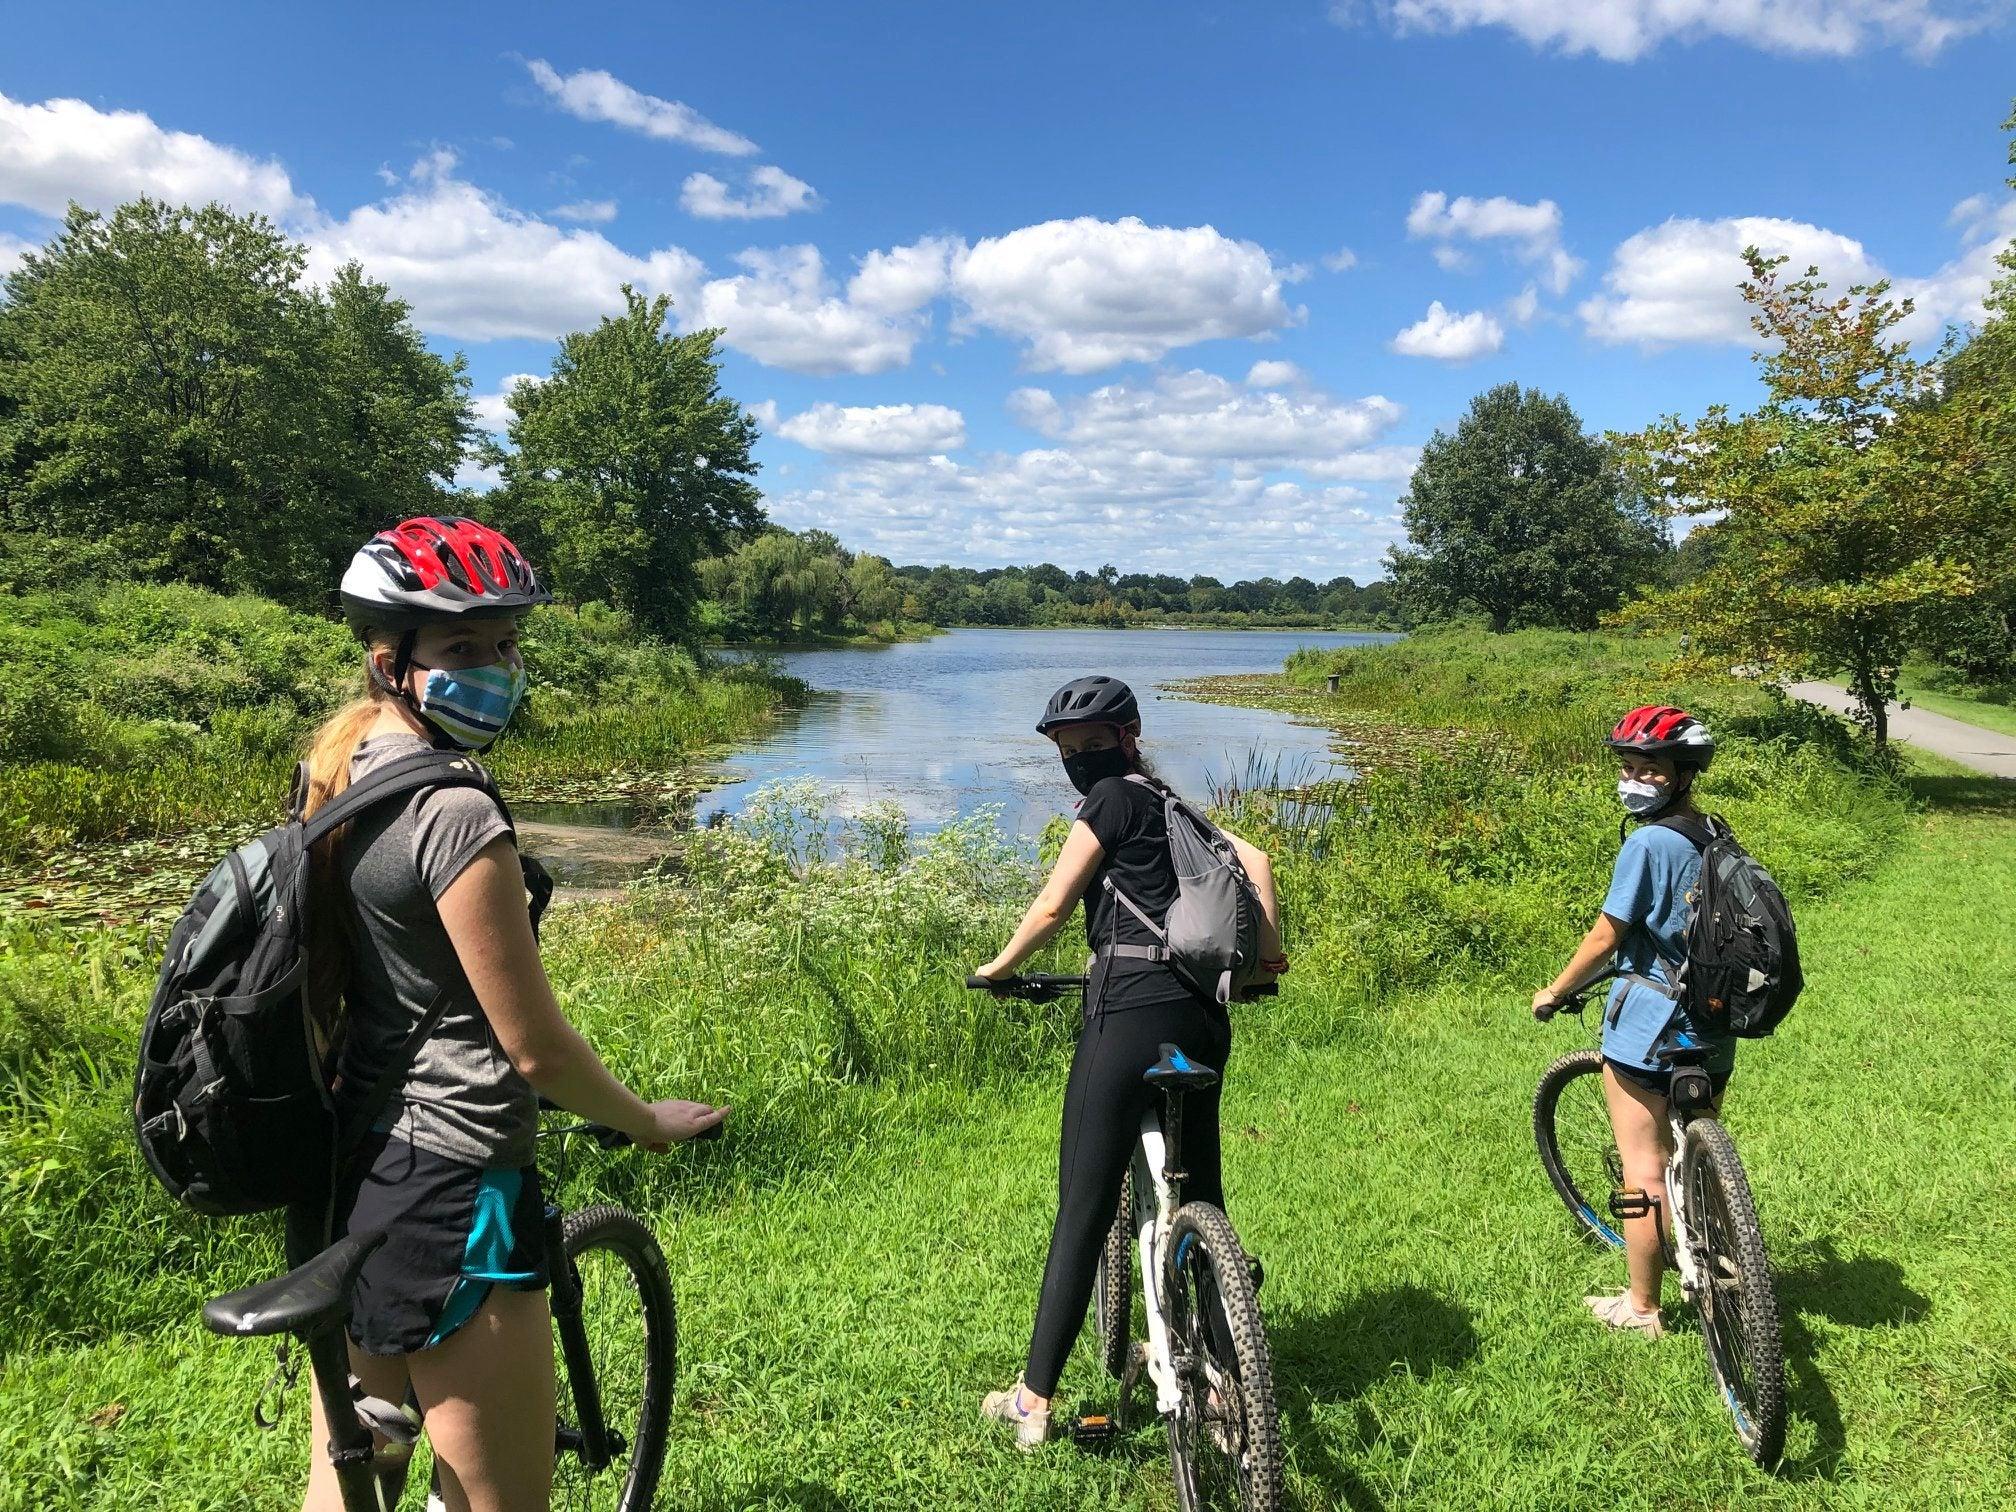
(1094, 1432)
(1631, 1202)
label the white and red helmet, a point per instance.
(436, 567)
(1662, 730)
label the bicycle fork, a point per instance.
(590, 1439)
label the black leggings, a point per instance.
(1103, 1103)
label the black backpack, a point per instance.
(232, 1103)
(1742, 968)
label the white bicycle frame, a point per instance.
(1676, 1202)
(1154, 1209)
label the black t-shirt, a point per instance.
(1126, 819)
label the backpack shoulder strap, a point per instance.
(1699, 830)
(409, 774)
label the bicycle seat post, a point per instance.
(1172, 1144)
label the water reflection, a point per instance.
(941, 727)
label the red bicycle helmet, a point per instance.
(1662, 730)
(437, 567)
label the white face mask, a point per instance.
(1640, 797)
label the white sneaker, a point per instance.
(1032, 1424)
(1619, 1312)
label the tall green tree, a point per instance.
(1520, 515)
(1850, 510)
(629, 466)
(176, 404)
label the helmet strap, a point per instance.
(395, 687)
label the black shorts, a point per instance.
(1660, 1083)
(454, 1231)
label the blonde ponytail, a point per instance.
(330, 934)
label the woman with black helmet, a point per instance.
(1643, 927)
(432, 919)
(1132, 1006)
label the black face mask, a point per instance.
(1088, 768)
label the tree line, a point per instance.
(178, 404)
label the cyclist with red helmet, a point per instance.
(1642, 927)
(433, 922)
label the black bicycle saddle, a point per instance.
(1176, 1069)
(297, 1301)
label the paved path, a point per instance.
(1970, 745)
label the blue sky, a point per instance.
(1177, 286)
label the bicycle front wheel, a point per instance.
(1571, 1124)
(1113, 1288)
(1225, 1438)
(631, 1332)
(1739, 1310)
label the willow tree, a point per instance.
(1845, 510)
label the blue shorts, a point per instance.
(453, 1232)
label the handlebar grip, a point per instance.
(980, 983)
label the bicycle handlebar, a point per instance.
(1577, 1000)
(1035, 987)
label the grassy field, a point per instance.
(858, 1261)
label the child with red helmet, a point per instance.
(1642, 927)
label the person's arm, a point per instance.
(1260, 872)
(1596, 951)
(1076, 865)
(484, 912)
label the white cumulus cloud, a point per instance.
(904, 279)
(1201, 415)
(772, 192)
(1531, 232)
(592, 212)
(1086, 294)
(63, 150)
(1624, 30)
(493, 410)
(12, 250)
(1270, 374)
(1450, 337)
(1343, 260)
(1677, 282)
(883, 430)
(594, 94)
(783, 310)
(475, 269)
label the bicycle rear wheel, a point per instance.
(1225, 1438)
(1739, 1310)
(1571, 1124)
(1113, 1288)
(631, 1329)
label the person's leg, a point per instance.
(487, 1392)
(382, 1376)
(1102, 1117)
(1638, 1118)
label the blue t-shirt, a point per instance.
(1657, 869)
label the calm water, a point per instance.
(944, 726)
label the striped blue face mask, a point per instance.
(471, 705)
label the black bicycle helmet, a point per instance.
(1090, 700)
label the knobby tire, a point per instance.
(1738, 1307)
(1571, 1125)
(632, 1327)
(1225, 1453)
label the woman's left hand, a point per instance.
(992, 970)
(1544, 1003)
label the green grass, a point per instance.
(1999, 717)
(858, 1262)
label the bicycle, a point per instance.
(615, 1329)
(1714, 1241)
(1205, 1351)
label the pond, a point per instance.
(944, 726)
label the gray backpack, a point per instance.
(1211, 937)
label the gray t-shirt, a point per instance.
(462, 1099)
